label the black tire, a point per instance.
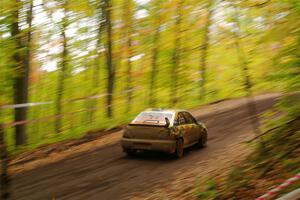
(203, 141)
(179, 148)
(130, 152)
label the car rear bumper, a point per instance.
(153, 145)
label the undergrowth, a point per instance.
(269, 164)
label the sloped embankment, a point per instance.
(276, 157)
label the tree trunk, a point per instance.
(129, 78)
(247, 80)
(22, 60)
(62, 74)
(155, 50)
(127, 15)
(92, 106)
(204, 48)
(4, 179)
(176, 55)
(109, 62)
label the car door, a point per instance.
(193, 126)
(184, 128)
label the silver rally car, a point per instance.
(166, 130)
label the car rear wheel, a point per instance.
(130, 152)
(179, 148)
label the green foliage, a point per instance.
(206, 190)
(272, 57)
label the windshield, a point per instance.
(152, 118)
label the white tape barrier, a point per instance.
(32, 104)
(294, 195)
(50, 117)
(23, 105)
(44, 119)
(277, 189)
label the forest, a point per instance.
(69, 67)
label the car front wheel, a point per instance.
(203, 140)
(179, 148)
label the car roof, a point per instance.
(165, 110)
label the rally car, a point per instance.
(166, 130)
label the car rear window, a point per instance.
(152, 118)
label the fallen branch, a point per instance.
(272, 129)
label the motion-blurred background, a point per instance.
(68, 67)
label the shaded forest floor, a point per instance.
(97, 167)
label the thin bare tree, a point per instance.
(176, 54)
(109, 60)
(204, 48)
(243, 62)
(63, 71)
(92, 106)
(155, 51)
(128, 26)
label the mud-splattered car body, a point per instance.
(163, 130)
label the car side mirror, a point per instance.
(167, 122)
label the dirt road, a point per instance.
(105, 172)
